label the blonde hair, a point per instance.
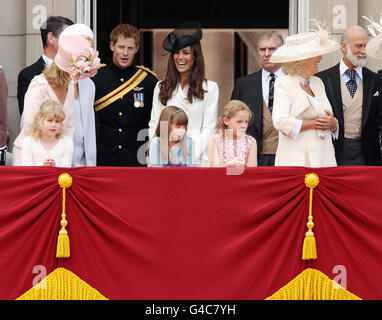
(293, 68)
(172, 115)
(230, 110)
(55, 76)
(48, 109)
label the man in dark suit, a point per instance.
(256, 90)
(354, 93)
(50, 32)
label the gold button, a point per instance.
(120, 114)
(120, 147)
(122, 98)
(120, 130)
(122, 80)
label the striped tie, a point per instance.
(271, 92)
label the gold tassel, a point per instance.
(309, 250)
(63, 244)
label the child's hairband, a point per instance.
(177, 111)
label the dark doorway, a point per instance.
(220, 14)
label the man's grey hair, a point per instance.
(270, 34)
(345, 35)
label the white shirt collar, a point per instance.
(344, 67)
(265, 74)
(47, 60)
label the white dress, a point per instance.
(39, 91)
(309, 148)
(202, 116)
(34, 154)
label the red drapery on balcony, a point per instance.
(191, 233)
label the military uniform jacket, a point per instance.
(119, 123)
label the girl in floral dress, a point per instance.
(230, 146)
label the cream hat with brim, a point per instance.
(303, 46)
(374, 46)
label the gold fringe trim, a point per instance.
(62, 284)
(312, 284)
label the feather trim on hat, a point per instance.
(374, 45)
(373, 27)
(321, 32)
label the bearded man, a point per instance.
(353, 92)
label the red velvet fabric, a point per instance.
(190, 233)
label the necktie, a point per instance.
(271, 92)
(351, 84)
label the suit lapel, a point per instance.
(334, 92)
(257, 97)
(41, 64)
(368, 85)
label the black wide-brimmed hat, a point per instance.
(184, 35)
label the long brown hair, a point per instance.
(195, 80)
(172, 115)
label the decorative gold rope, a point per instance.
(63, 245)
(309, 250)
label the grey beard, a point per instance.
(355, 60)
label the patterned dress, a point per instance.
(230, 149)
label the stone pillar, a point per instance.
(20, 44)
(12, 53)
(37, 12)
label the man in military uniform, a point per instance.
(123, 102)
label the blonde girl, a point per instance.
(45, 145)
(170, 145)
(230, 146)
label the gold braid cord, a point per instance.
(309, 250)
(62, 284)
(63, 245)
(312, 284)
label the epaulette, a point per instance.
(103, 65)
(148, 70)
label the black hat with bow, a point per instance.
(182, 36)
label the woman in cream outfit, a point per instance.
(301, 111)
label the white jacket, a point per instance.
(311, 148)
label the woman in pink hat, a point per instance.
(84, 138)
(75, 60)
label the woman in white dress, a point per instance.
(186, 87)
(301, 111)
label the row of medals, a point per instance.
(138, 100)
